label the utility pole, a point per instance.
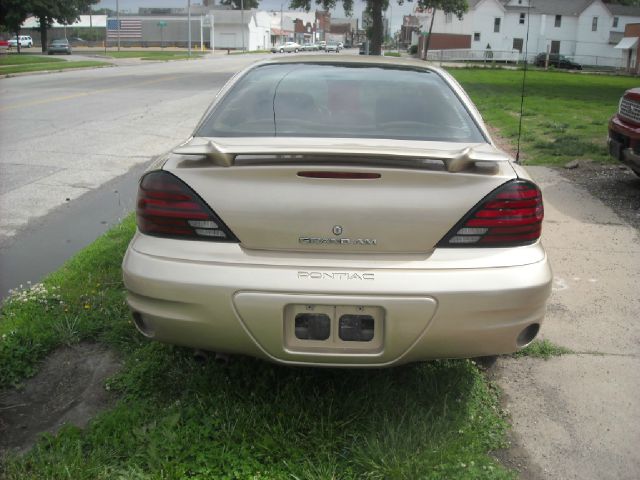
(242, 21)
(189, 21)
(118, 20)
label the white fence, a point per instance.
(514, 56)
(466, 55)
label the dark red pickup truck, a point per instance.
(624, 131)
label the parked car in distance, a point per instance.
(339, 211)
(322, 44)
(341, 45)
(25, 41)
(287, 47)
(309, 47)
(557, 61)
(624, 131)
(332, 47)
(77, 41)
(60, 45)
(4, 46)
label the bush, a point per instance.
(413, 49)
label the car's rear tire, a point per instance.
(282, 50)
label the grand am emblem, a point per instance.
(337, 241)
(337, 230)
(336, 275)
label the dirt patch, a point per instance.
(69, 389)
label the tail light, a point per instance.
(509, 216)
(167, 207)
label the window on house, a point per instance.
(517, 44)
(476, 37)
(594, 24)
(448, 17)
(496, 25)
(522, 17)
(558, 23)
(615, 22)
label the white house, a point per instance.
(587, 30)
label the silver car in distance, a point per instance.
(349, 212)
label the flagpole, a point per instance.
(118, 20)
(189, 20)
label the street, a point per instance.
(65, 135)
(69, 139)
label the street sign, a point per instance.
(162, 24)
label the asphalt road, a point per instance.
(66, 138)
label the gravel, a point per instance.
(616, 186)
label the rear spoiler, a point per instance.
(455, 160)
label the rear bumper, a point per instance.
(624, 142)
(427, 313)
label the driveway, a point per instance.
(578, 416)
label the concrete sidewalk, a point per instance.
(578, 416)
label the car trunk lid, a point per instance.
(348, 195)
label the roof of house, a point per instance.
(560, 7)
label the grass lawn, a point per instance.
(24, 59)
(565, 114)
(14, 63)
(153, 55)
(177, 418)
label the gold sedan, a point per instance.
(347, 211)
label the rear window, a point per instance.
(320, 100)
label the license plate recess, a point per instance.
(343, 328)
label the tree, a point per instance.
(61, 11)
(457, 7)
(241, 4)
(375, 9)
(13, 13)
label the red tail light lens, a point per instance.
(167, 207)
(509, 216)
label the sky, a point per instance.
(132, 5)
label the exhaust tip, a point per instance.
(222, 359)
(527, 335)
(200, 356)
(142, 325)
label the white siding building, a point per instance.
(586, 30)
(236, 29)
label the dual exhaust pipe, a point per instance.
(203, 356)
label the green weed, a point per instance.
(542, 349)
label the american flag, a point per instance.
(128, 28)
